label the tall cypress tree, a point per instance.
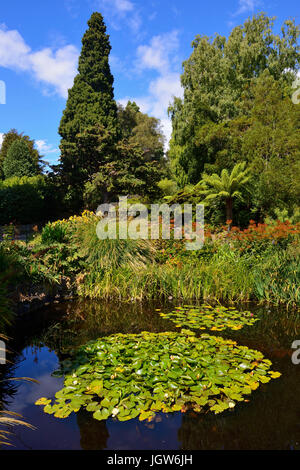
(89, 127)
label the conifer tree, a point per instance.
(89, 126)
(18, 161)
(8, 139)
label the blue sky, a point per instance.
(40, 43)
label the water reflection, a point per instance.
(93, 433)
(270, 420)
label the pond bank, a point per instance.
(28, 299)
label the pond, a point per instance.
(269, 420)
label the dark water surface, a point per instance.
(270, 420)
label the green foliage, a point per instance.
(21, 200)
(227, 186)
(18, 266)
(278, 276)
(89, 125)
(226, 279)
(54, 233)
(142, 131)
(129, 376)
(283, 214)
(27, 200)
(24, 267)
(168, 187)
(8, 139)
(271, 145)
(237, 106)
(257, 264)
(130, 173)
(108, 255)
(225, 66)
(6, 272)
(18, 161)
(206, 317)
(106, 151)
(221, 272)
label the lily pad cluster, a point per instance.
(129, 376)
(207, 317)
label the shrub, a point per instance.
(167, 187)
(54, 233)
(109, 254)
(27, 200)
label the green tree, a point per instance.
(8, 139)
(139, 161)
(227, 186)
(216, 78)
(127, 118)
(18, 161)
(89, 126)
(141, 130)
(274, 121)
(130, 174)
(271, 145)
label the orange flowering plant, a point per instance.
(260, 236)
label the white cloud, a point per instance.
(44, 148)
(246, 6)
(163, 88)
(152, 16)
(14, 51)
(156, 55)
(118, 10)
(72, 7)
(122, 5)
(54, 68)
(159, 55)
(1, 139)
(135, 22)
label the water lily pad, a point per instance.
(212, 318)
(174, 374)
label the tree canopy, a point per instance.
(216, 80)
(89, 126)
(8, 139)
(141, 130)
(18, 161)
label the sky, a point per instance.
(40, 43)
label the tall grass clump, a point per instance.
(259, 263)
(277, 277)
(8, 420)
(216, 279)
(109, 254)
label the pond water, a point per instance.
(270, 420)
